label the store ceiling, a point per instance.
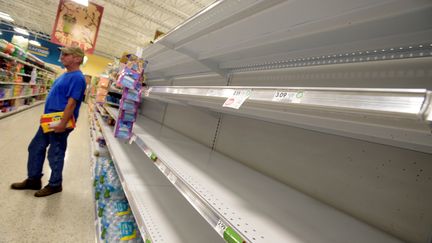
(125, 25)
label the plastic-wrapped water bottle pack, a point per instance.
(117, 221)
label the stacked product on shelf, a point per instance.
(23, 79)
(102, 89)
(12, 50)
(130, 79)
(115, 220)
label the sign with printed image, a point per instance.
(77, 25)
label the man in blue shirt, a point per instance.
(66, 95)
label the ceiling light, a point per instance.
(6, 17)
(82, 2)
(21, 31)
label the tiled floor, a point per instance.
(63, 217)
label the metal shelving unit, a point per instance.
(230, 195)
(160, 211)
(398, 117)
(334, 101)
(313, 37)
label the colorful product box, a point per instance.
(132, 95)
(128, 105)
(123, 129)
(50, 120)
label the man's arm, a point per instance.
(67, 115)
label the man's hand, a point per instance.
(67, 115)
(60, 128)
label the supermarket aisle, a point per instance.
(63, 217)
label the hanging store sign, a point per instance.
(77, 25)
(38, 50)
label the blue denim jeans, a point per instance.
(57, 143)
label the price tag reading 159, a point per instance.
(237, 98)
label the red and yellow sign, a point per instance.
(77, 25)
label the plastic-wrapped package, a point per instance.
(128, 105)
(123, 129)
(120, 229)
(128, 116)
(129, 79)
(131, 94)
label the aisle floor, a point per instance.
(63, 217)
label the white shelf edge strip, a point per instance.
(404, 102)
(113, 112)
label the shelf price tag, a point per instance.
(237, 98)
(147, 152)
(162, 167)
(132, 139)
(288, 96)
(147, 92)
(220, 227)
(172, 177)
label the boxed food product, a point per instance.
(50, 120)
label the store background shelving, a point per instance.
(19, 90)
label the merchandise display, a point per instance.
(102, 89)
(130, 79)
(22, 84)
(114, 219)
